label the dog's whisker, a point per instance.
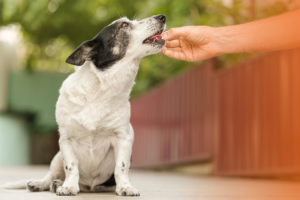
(121, 15)
(160, 54)
(134, 17)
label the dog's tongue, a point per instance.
(156, 37)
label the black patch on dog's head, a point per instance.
(100, 50)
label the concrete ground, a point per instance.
(163, 186)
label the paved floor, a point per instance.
(164, 186)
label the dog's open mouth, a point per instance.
(154, 38)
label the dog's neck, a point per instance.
(117, 80)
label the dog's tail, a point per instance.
(15, 185)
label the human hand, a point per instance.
(191, 43)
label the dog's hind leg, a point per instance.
(55, 184)
(107, 186)
(56, 172)
(102, 188)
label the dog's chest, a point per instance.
(93, 102)
(91, 146)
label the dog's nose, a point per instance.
(161, 18)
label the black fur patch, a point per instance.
(130, 162)
(110, 182)
(100, 49)
(86, 51)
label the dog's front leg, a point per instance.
(71, 186)
(123, 149)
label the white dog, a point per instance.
(93, 111)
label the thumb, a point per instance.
(175, 33)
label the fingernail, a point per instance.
(164, 35)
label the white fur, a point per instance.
(93, 113)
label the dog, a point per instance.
(93, 111)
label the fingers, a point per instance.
(174, 33)
(175, 53)
(172, 43)
(177, 49)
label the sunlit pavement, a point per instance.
(162, 185)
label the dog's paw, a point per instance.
(66, 191)
(35, 186)
(127, 191)
(55, 184)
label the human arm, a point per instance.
(193, 43)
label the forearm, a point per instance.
(275, 33)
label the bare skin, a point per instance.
(194, 43)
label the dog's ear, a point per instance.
(86, 51)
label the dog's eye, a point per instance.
(125, 24)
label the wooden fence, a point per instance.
(246, 119)
(258, 106)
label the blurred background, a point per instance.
(236, 114)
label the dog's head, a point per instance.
(122, 38)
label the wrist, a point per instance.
(225, 40)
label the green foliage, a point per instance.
(54, 28)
